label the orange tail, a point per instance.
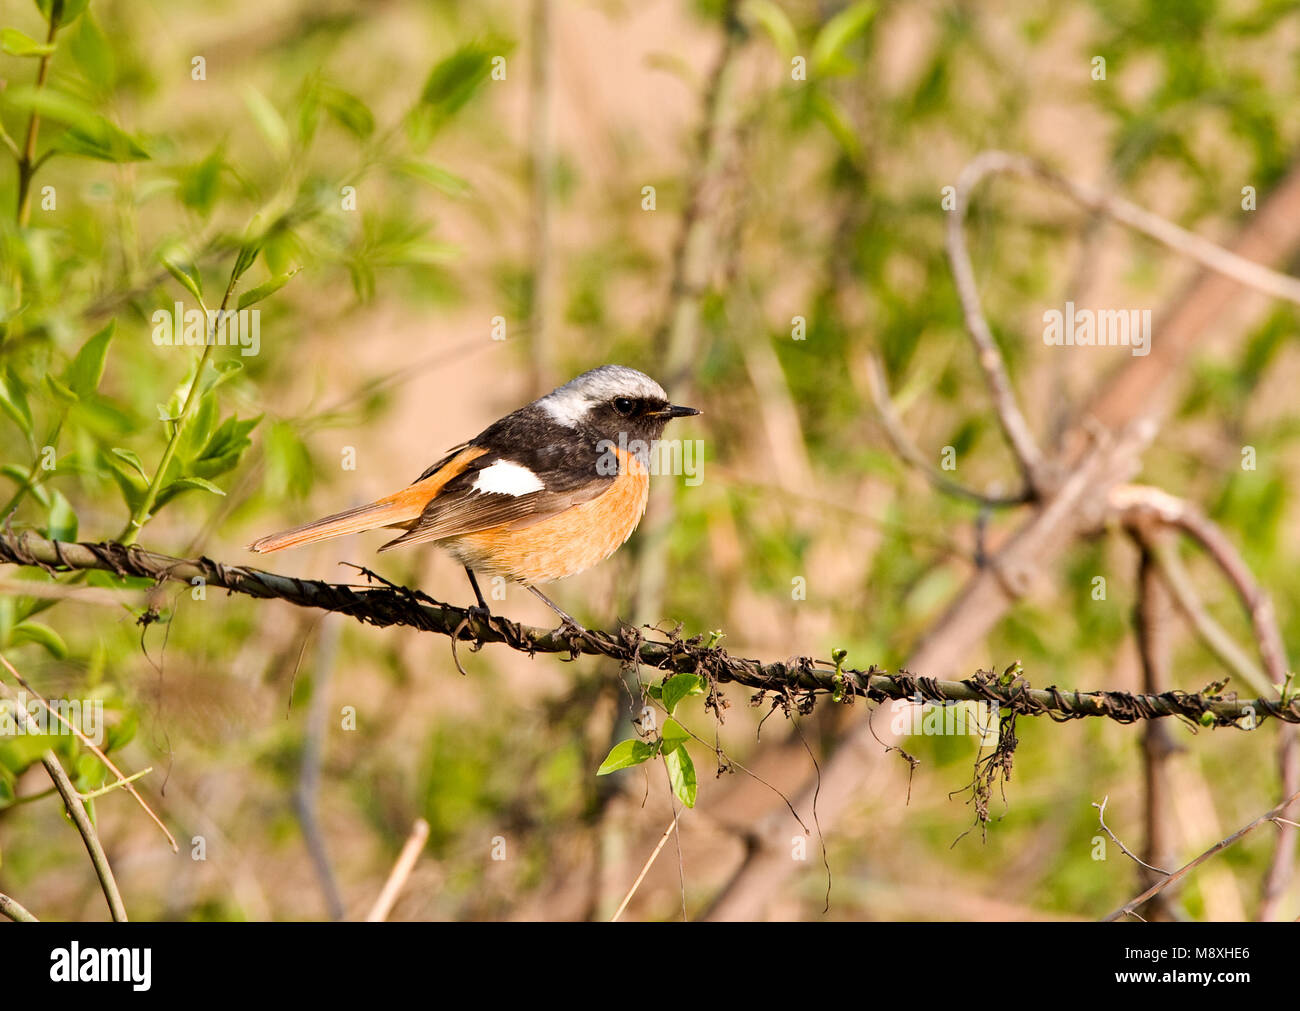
(400, 509)
(397, 510)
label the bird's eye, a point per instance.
(624, 405)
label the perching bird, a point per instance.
(544, 493)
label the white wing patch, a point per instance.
(506, 478)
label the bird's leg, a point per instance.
(481, 610)
(569, 623)
(477, 592)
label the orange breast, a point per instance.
(568, 542)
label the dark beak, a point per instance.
(676, 411)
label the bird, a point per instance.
(544, 493)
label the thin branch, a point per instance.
(307, 786)
(912, 454)
(1203, 251)
(1212, 634)
(1101, 818)
(645, 869)
(14, 910)
(1208, 254)
(1013, 423)
(122, 779)
(798, 680)
(1150, 621)
(401, 871)
(1281, 867)
(541, 172)
(28, 163)
(1138, 501)
(1274, 815)
(75, 807)
(141, 515)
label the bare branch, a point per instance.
(1014, 426)
(1138, 501)
(14, 910)
(75, 807)
(122, 779)
(1131, 906)
(400, 872)
(909, 451)
(1101, 818)
(645, 869)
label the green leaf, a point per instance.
(222, 372)
(775, 22)
(179, 265)
(43, 635)
(350, 112)
(626, 754)
(674, 736)
(59, 390)
(200, 184)
(119, 734)
(832, 113)
(254, 295)
(681, 774)
(93, 55)
(53, 104)
(448, 182)
(19, 476)
(62, 522)
(222, 451)
(289, 468)
(88, 133)
(268, 120)
(13, 401)
(679, 686)
(83, 375)
(836, 34)
(246, 258)
(69, 10)
(15, 43)
(453, 82)
(185, 484)
(131, 459)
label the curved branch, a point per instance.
(1014, 426)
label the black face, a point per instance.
(640, 417)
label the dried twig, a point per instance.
(400, 872)
(645, 869)
(1275, 815)
(1013, 423)
(1101, 818)
(909, 451)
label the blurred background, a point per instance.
(456, 206)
